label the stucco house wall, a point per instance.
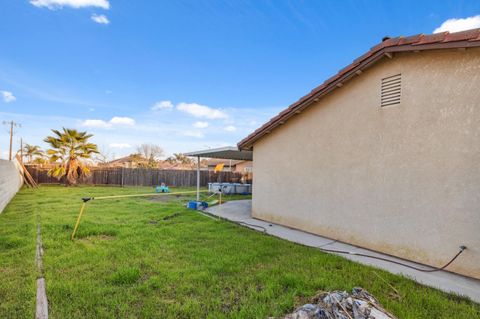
(403, 180)
(240, 167)
(10, 182)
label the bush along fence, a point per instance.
(140, 177)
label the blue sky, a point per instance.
(185, 75)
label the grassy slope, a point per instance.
(128, 262)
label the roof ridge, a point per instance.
(417, 42)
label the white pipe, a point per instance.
(198, 178)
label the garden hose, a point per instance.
(264, 230)
(433, 269)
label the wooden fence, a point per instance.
(140, 177)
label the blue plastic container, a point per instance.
(192, 205)
(197, 205)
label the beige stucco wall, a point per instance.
(10, 182)
(240, 167)
(404, 180)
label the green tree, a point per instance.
(69, 151)
(32, 150)
(179, 158)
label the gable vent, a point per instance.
(391, 90)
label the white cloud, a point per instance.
(7, 96)
(200, 124)
(119, 145)
(58, 4)
(103, 124)
(230, 128)
(455, 25)
(196, 134)
(122, 121)
(162, 105)
(96, 124)
(204, 111)
(100, 18)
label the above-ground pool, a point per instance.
(230, 188)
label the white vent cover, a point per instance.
(391, 90)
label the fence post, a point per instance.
(122, 177)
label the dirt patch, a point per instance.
(171, 216)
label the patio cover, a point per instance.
(228, 152)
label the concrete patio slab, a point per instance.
(240, 211)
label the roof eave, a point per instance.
(338, 80)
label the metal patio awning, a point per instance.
(228, 152)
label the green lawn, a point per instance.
(129, 261)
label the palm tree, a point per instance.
(32, 150)
(69, 150)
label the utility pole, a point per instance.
(21, 149)
(12, 125)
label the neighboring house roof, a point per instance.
(123, 160)
(389, 46)
(177, 166)
(120, 160)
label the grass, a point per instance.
(138, 258)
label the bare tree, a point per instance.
(150, 151)
(103, 155)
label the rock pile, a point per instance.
(341, 305)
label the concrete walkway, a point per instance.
(240, 211)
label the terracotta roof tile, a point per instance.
(362, 57)
(433, 41)
(377, 47)
(318, 88)
(332, 79)
(462, 36)
(348, 68)
(410, 39)
(432, 38)
(391, 42)
(475, 39)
